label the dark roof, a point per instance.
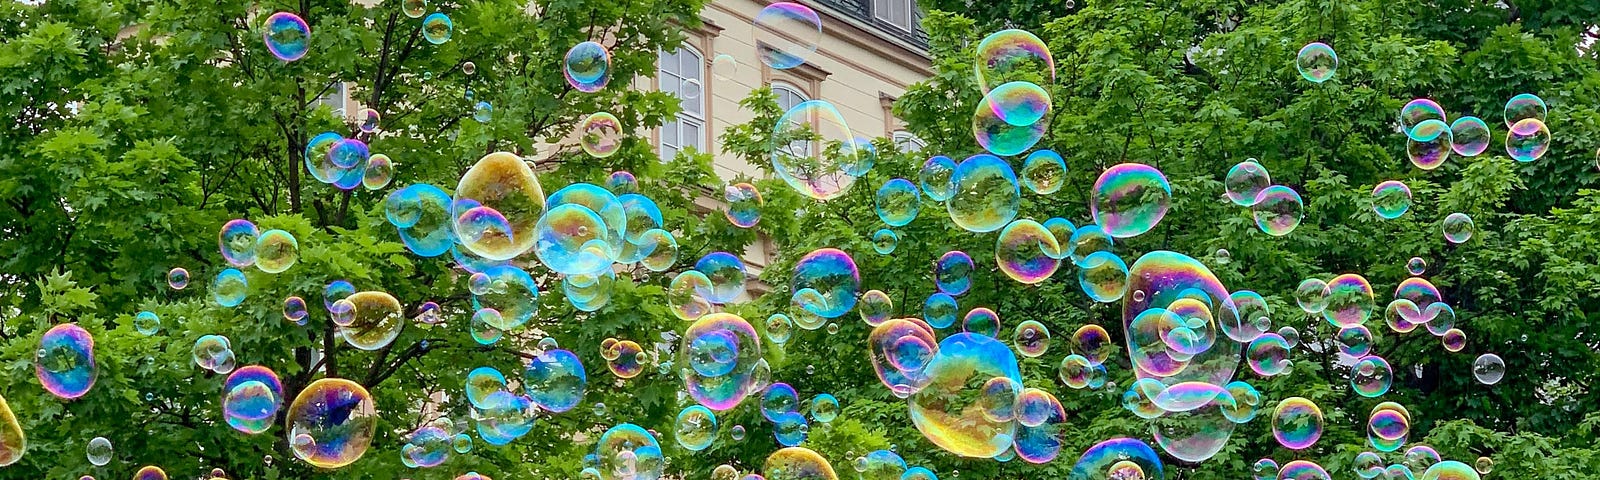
(861, 10)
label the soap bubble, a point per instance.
(952, 273)
(600, 134)
(940, 310)
(1347, 301)
(744, 205)
(587, 67)
(1027, 252)
(982, 321)
(1044, 172)
(377, 320)
(1528, 140)
(998, 121)
(1458, 228)
(724, 66)
(287, 36)
(65, 361)
(1429, 144)
(831, 274)
(436, 28)
(1096, 462)
(897, 202)
(1525, 106)
(1316, 62)
(238, 240)
(1031, 338)
(503, 182)
(1488, 369)
(875, 307)
(1085, 242)
(1010, 55)
(937, 178)
(147, 323)
(1278, 210)
(824, 408)
(1371, 376)
(1244, 181)
(1391, 199)
(555, 380)
(1388, 426)
(1129, 199)
(1103, 277)
(814, 150)
(884, 241)
(379, 172)
(251, 397)
(332, 422)
(1355, 341)
(986, 194)
(798, 463)
(726, 275)
(98, 451)
(178, 278)
(695, 428)
(786, 33)
(1469, 136)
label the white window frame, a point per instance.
(670, 80)
(908, 142)
(787, 90)
(335, 99)
(885, 11)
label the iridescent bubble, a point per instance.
(1105, 280)
(1140, 398)
(724, 66)
(287, 36)
(1316, 62)
(917, 473)
(1197, 434)
(1297, 423)
(1129, 199)
(982, 321)
(65, 363)
(1416, 265)
(1093, 343)
(779, 398)
(1483, 465)
(897, 202)
(1075, 371)
(422, 212)
(1388, 426)
(1368, 465)
(744, 204)
(150, 472)
(368, 120)
(1268, 354)
(1085, 242)
(1044, 172)
(1371, 376)
(798, 463)
(726, 275)
(414, 8)
(436, 28)
(503, 182)
(229, 288)
(663, 249)
(884, 241)
(1040, 419)
(1265, 469)
(1417, 111)
(461, 443)
(377, 322)
(1421, 457)
(723, 392)
(1458, 228)
(251, 397)
(1391, 199)
(1290, 335)
(824, 408)
(504, 417)
(1528, 140)
(790, 428)
(1454, 340)
(1007, 121)
(1354, 341)
(177, 278)
(1469, 136)
(237, 240)
(1303, 470)
(1031, 338)
(1429, 144)
(483, 111)
(1278, 210)
(779, 328)
(622, 182)
(786, 33)
(1096, 462)
(1525, 106)
(1348, 301)
(814, 150)
(946, 412)
(555, 380)
(481, 382)
(427, 447)
(98, 451)
(1441, 317)
(587, 67)
(147, 323)
(937, 178)
(600, 134)
(379, 172)
(1027, 252)
(1063, 230)
(952, 273)
(1010, 55)
(626, 360)
(1246, 402)
(1450, 470)
(875, 307)
(1245, 181)
(940, 310)
(1487, 368)
(1254, 316)
(695, 428)
(986, 195)
(331, 422)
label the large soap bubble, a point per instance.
(815, 152)
(950, 411)
(503, 182)
(986, 194)
(331, 423)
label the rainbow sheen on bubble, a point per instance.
(1391, 199)
(897, 202)
(503, 182)
(600, 135)
(986, 194)
(952, 273)
(1027, 252)
(1525, 106)
(331, 423)
(251, 398)
(786, 33)
(1129, 199)
(815, 152)
(744, 204)
(237, 241)
(1429, 144)
(555, 380)
(982, 321)
(1458, 228)
(1013, 55)
(1097, 461)
(797, 463)
(995, 121)
(937, 178)
(437, 28)
(1316, 62)
(1297, 423)
(1244, 181)
(945, 410)
(1469, 136)
(587, 67)
(1528, 140)
(901, 349)
(287, 36)
(65, 362)
(1278, 210)
(1044, 172)
(735, 374)
(1103, 277)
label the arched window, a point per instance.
(788, 97)
(682, 70)
(907, 142)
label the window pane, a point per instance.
(669, 133)
(668, 152)
(692, 136)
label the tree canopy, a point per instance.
(137, 129)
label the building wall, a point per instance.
(857, 68)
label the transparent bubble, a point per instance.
(1103, 277)
(229, 288)
(744, 205)
(724, 67)
(483, 111)
(1458, 228)
(1093, 343)
(587, 67)
(1027, 252)
(332, 422)
(1297, 423)
(437, 27)
(147, 323)
(1044, 172)
(1316, 62)
(1417, 111)
(884, 241)
(1454, 340)
(1429, 144)
(177, 278)
(1008, 120)
(1469, 136)
(1012, 55)
(1528, 140)
(691, 89)
(982, 321)
(952, 273)
(1371, 377)
(814, 150)
(950, 412)
(1348, 301)
(1483, 465)
(937, 178)
(287, 36)
(237, 241)
(1268, 354)
(414, 8)
(897, 202)
(99, 451)
(725, 274)
(1245, 181)
(1129, 199)
(1488, 369)
(1355, 341)
(1086, 241)
(875, 307)
(1278, 210)
(986, 196)
(1311, 295)
(1265, 469)
(786, 33)
(1391, 199)
(1525, 106)
(940, 310)
(695, 428)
